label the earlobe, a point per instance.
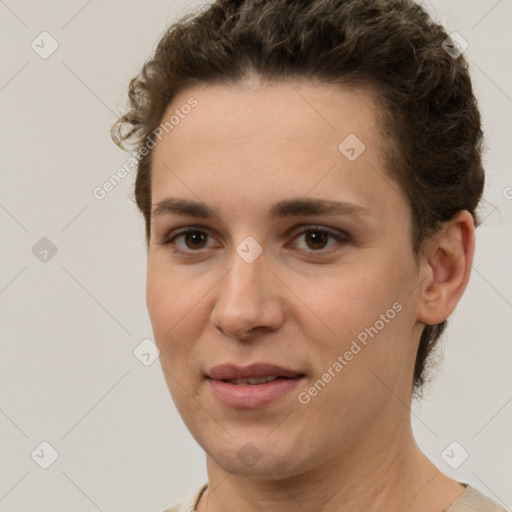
(447, 261)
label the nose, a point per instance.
(248, 300)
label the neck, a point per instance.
(394, 475)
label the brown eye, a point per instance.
(188, 240)
(195, 239)
(317, 239)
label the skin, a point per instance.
(299, 305)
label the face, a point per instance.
(297, 265)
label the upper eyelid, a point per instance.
(338, 234)
(298, 229)
(186, 229)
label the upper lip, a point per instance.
(256, 370)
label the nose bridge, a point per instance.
(244, 299)
(245, 282)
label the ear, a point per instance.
(446, 262)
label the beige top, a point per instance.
(470, 500)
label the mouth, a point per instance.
(251, 381)
(252, 386)
(251, 374)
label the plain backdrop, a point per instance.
(72, 282)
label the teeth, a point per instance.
(261, 380)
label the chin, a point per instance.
(256, 456)
(275, 465)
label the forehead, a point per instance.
(291, 110)
(257, 142)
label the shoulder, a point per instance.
(472, 500)
(188, 503)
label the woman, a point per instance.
(308, 173)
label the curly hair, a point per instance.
(431, 116)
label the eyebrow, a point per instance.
(285, 208)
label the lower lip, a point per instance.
(252, 396)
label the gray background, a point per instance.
(70, 324)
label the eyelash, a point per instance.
(339, 237)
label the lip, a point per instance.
(252, 396)
(255, 370)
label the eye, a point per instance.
(317, 238)
(189, 239)
(193, 239)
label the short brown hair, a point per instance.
(430, 111)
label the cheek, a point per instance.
(367, 319)
(353, 299)
(170, 300)
(161, 301)
(173, 309)
(169, 293)
(361, 362)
